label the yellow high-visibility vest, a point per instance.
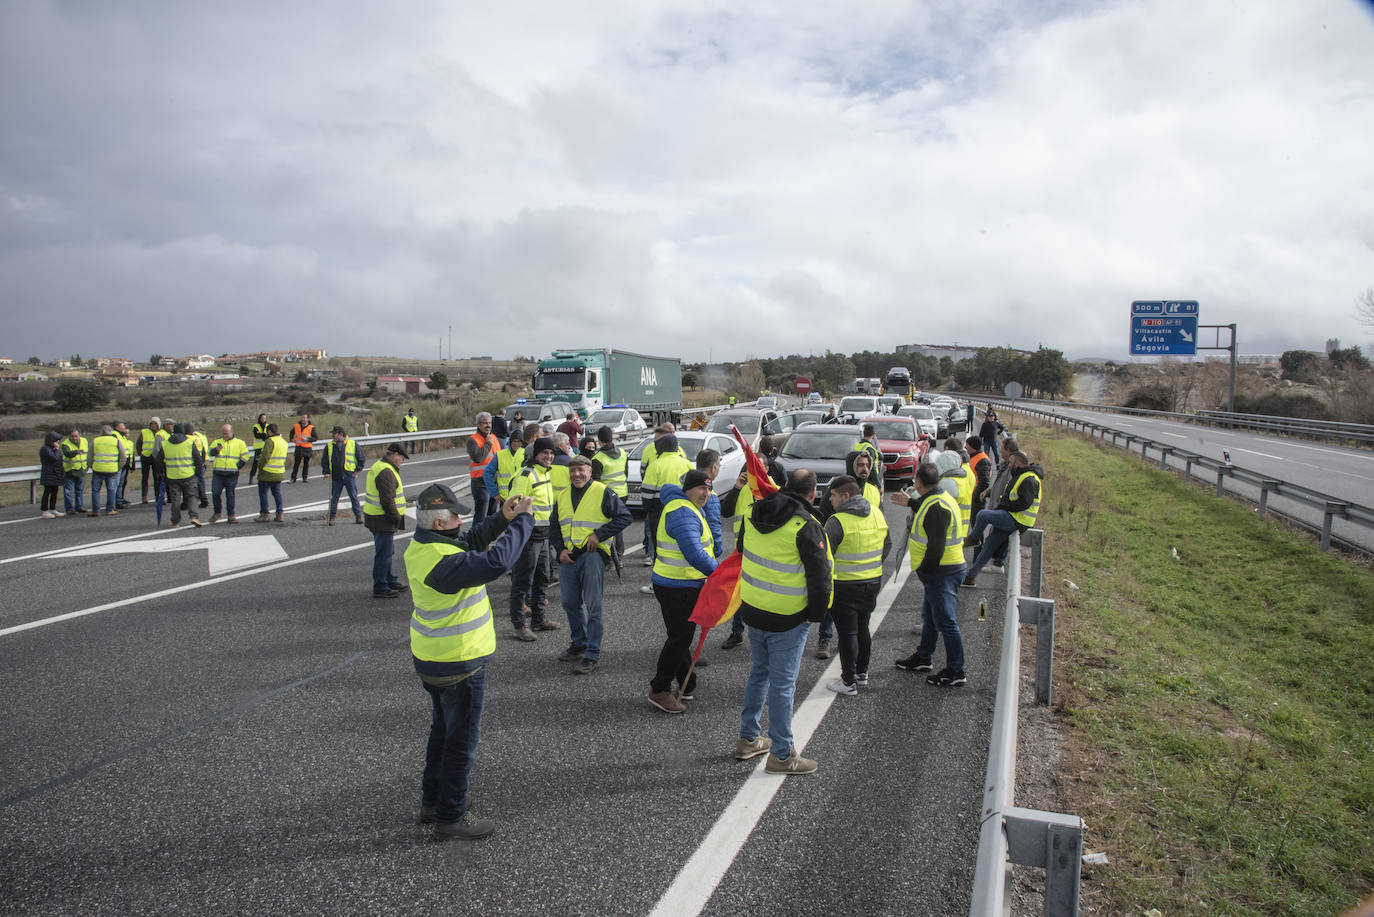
(954, 533)
(669, 560)
(444, 627)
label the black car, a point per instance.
(821, 448)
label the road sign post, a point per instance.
(1164, 328)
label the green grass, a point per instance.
(1220, 705)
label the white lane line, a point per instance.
(1277, 458)
(25, 519)
(1175, 435)
(699, 877)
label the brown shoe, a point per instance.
(525, 635)
(113, 512)
(93, 513)
(665, 701)
(232, 519)
(262, 517)
(357, 520)
(752, 748)
(330, 521)
(279, 518)
(794, 764)
(546, 625)
(215, 518)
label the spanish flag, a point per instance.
(719, 597)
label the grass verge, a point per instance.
(1219, 701)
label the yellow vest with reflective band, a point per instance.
(860, 555)
(260, 431)
(201, 441)
(411, 423)
(965, 485)
(350, 455)
(276, 462)
(146, 440)
(105, 454)
(534, 482)
(650, 453)
(615, 472)
(180, 459)
(558, 474)
(128, 447)
(443, 627)
(507, 466)
(1027, 516)
(772, 577)
(668, 468)
(230, 451)
(874, 496)
(669, 560)
(78, 461)
(578, 524)
(954, 534)
(372, 498)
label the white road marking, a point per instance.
(1175, 435)
(223, 555)
(1278, 458)
(696, 882)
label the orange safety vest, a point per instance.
(302, 436)
(476, 470)
(973, 462)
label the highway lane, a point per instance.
(254, 741)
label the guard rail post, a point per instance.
(1188, 468)
(1222, 472)
(1265, 486)
(1164, 453)
(1333, 508)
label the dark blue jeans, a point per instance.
(383, 549)
(938, 620)
(74, 493)
(453, 733)
(222, 487)
(995, 544)
(109, 481)
(581, 584)
(265, 488)
(481, 501)
(337, 485)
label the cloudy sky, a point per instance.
(698, 179)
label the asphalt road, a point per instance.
(251, 742)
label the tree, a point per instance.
(76, 359)
(438, 380)
(689, 379)
(747, 379)
(1048, 373)
(1348, 358)
(34, 361)
(302, 376)
(1364, 308)
(78, 395)
(1300, 365)
(155, 360)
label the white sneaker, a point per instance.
(47, 514)
(839, 687)
(57, 513)
(647, 590)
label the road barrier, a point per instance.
(1008, 833)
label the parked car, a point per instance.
(813, 398)
(901, 445)
(767, 403)
(691, 442)
(821, 448)
(890, 403)
(623, 421)
(749, 421)
(853, 407)
(924, 417)
(538, 411)
(786, 422)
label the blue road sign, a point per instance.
(1161, 328)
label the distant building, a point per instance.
(277, 356)
(112, 373)
(62, 364)
(199, 361)
(939, 351)
(402, 385)
(33, 375)
(5, 361)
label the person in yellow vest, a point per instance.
(76, 458)
(342, 459)
(384, 514)
(585, 520)
(146, 443)
(452, 637)
(107, 457)
(859, 543)
(610, 466)
(936, 546)
(868, 445)
(411, 424)
(786, 579)
(180, 459)
(259, 438)
(204, 445)
(228, 455)
(1016, 512)
(687, 551)
(482, 448)
(530, 576)
(502, 470)
(303, 435)
(667, 467)
(271, 465)
(121, 429)
(864, 478)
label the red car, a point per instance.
(902, 444)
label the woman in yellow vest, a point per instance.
(936, 544)
(858, 536)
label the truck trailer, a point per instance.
(593, 379)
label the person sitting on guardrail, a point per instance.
(1016, 512)
(936, 554)
(992, 496)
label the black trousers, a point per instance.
(675, 604)
(853, 606)
(302, 458)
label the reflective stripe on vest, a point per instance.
(350, 455)
(772, 577)
(507, 466)
(668, 468)
(860, 556)
(1027, 516)
(410, 423)
(669, 561)
(230, 451)
(874, 496)
(476, 470)
(276, 462)
(76, 462)
(965, 485)
(444, 627)
(954, 533)
(301, 435)
(180, 459)
(615, 472)
(578, 524)
(534, 482)
(372, 497)
(105, 454)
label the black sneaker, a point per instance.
(948, 678)
(469, 826)
(732, 641)
(914, 663)
(572, 653)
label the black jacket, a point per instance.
(770, 514)
(50, 455)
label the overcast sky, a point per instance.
(694, 179)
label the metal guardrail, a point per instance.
(1330, 507)
(1010, 835)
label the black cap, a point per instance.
(439, 496)
(544, 443)
(694, 478)
(398, 449)
(337, 429)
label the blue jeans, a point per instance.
(110, 482)
(264, 488)
(776, 660)
(337, 485)
(453, 733)
(937, 619)
(74, 493)
(581, 583)
(481, 501)
(119, 492)
(827, 632)
(383, 549)
(995, 544)
(222, 487)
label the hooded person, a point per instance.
(51, 475)
(957, 481)
(530, 573)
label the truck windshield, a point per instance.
(561, 379)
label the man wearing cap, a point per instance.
(228, 455)
(451, 639)
(411, 424)
(342, 459)
(531, 570)
(686, 556)
(585, 518)
(384, 514)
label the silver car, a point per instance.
(691, 442)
